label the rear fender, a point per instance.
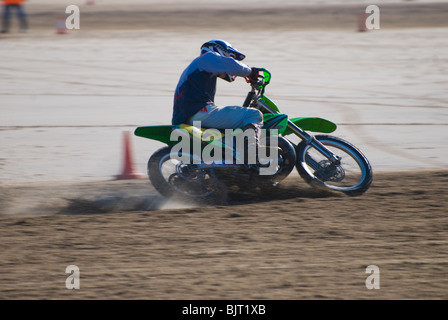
(163, 134)
(159, 133)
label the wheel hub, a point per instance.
(327, 171)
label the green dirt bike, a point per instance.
(322, 160)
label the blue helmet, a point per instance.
(223, 48)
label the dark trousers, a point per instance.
(21, 15)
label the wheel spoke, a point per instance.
(171, 176)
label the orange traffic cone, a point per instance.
(362, 16)
(61, 29)
(128, 167)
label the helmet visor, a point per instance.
(235, 54)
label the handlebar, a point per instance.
(262, 80)
(266, 76)
(260, 85)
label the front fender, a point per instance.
(313, 124)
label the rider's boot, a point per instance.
(254, 151)
(251, 138)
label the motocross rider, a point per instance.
(195, 92)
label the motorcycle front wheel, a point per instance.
(172, 177)
(352, 176)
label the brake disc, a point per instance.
(327, 171)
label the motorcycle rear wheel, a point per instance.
(174, 178)
(353, 176)
(286, 161)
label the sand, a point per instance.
(295, 244)
(66, 99)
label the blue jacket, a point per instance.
(197, 84)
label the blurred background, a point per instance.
(66, 96)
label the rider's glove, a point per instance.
(253, 76)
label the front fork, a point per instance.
(311, 140)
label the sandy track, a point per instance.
(242, 17)
(296, 244)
